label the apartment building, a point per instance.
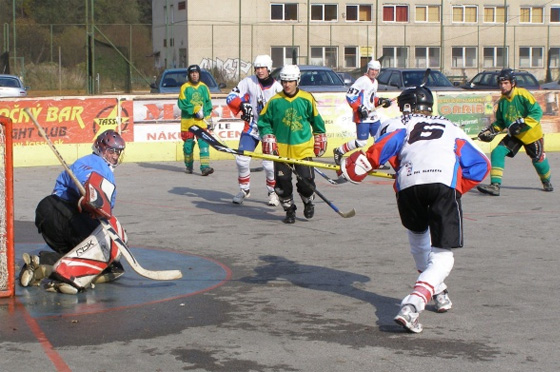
(458, 37)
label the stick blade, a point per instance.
(348, 214)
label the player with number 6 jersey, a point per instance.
(436, 162)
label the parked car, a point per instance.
(170, 81)
(316, 79)
(12, 86)
(393, 79)
(347, 78)
(555, 85)
(487, 80)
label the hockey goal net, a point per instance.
(7, 262)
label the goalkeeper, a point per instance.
(519, 115)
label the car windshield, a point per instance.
(178, 78)
(436, 79)
(9, 82)
(320, 77)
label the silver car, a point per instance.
(316, 79)
(12, 86)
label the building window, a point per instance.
(554, 57)
(350, 57)
(427, 57)
(395, 57)
(463, 57)
(554, 14)
(395, 13)
(283, 12)
(531, 57)
(284, 55)
(465, 14)
(324, 56)
(494, 14)
(359, 13)
(427, 13)
(181, 5)
(494, 57)
(531, 15)
(324, 12)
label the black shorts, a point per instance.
(63, 227)
(435, 206)
(283, 175)
(535, 150)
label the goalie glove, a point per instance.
(487, 134)
(269, 144)
(198, 112)
(95, 201)
(320, 144)
(246, 112)
(516, 127)
(363, 112)
(355, 167)
(383, 102)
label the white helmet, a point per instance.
(374, 65)
(290, 73)
(263, 60)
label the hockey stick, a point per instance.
(426, 76)
(322, 174)
(123, 248)
(348, 214)
(216, 144)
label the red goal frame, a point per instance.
(7, 247)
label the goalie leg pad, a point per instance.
(87, 260)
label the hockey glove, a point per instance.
(246, 112)
(198, 112)
(516, 127)
(320, 144)
(487, 134)
(384, 102)
(209, 123)
(355, 167)
(269, 144)
(363, 112)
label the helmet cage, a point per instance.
(109, 142)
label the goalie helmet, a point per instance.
(374, 65)
(107, 144)
(290, 73)
(507, 74)
(263, 60)
(415, 99)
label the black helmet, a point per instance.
(507, 74)
(416, 99)
(193, 68)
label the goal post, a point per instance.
(7, 259)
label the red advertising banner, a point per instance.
(68, 120)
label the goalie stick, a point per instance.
(123, 248)
(216, 144)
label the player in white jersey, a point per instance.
(249, 97)
(436, 162)
(362, 98)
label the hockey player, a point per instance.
(362, 98)
(250, 96)
(291, 126)
(436, 162)
(519, 114)
(196, 108)
(69, 224)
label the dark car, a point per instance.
(393, 79)
(555, 85)
(487, 80)
(316, 79)
(170, 81)
(347, 78)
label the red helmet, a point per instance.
(109, 140)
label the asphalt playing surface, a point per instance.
(319, 295)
